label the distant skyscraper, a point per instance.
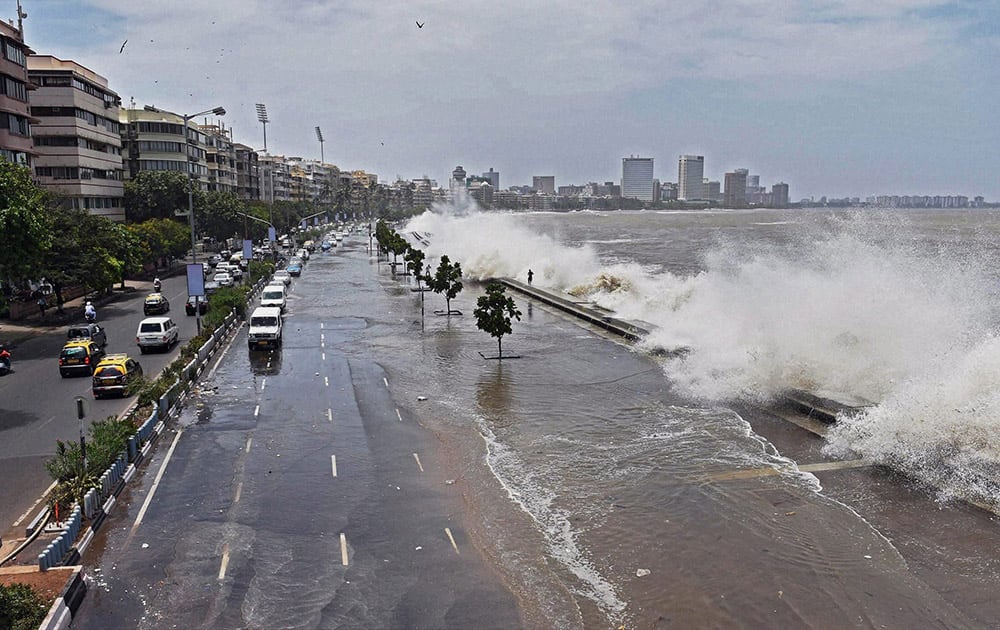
(493, 177)
(779, 195)
(711, 190)
(736, 189)
(457, 178)
(637, 178)
(545, 184)
(690, 177)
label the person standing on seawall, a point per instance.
(531, 274)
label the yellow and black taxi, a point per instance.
(155, 304)
(79, 356)
(117, 375)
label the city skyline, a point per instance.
(877, 99)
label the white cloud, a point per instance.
(361, 69)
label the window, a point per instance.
(160, 146)
(18, 125)
(160, 127)
(14, 89)
(13, 52)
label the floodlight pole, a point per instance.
(319, 136)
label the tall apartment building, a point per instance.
(457, 178)
(637, 178)
(220, 158)
(15, 122)
(779, 195)
(712, 190)
(155, 140)
(735, 195)
(275, 177)
(493, 177)
(77, 136)
(690, 178)
(247, 173)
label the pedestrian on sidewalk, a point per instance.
(42, 305)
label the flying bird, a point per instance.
(420, 25)
(122, 49)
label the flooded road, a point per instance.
(377, 472)
(294, 495)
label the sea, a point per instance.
(594, 470)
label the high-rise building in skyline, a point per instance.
(690, 178)
(637, 178)
(544, 184)
(779, 195)
(735, 194)
(78, 146)
(493, 177)
(457, 178)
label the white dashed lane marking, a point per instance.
(333, 464)
(452, 539)
(419, 465)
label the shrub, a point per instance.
(21, 608)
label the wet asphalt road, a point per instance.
(296, 494)
(37, 405)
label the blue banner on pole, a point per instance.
(271, 234)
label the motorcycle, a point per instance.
(4, 363)
(157, 285)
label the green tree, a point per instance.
(448, 280)
(494, 312)
(415, 263)
(157, 195)
(25, 229)
(218, 215)
(87, 252)
(162, 238)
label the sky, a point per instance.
(836, 98)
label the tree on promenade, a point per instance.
(88, 252)
(415, 263)
(494, 312)
(25, 228)
(162, 238)
(218, 215)
(448, 280)
(157, 195)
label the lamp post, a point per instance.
(218, 111)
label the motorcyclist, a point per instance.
(157, 285)
(90, 312)
(4, 356)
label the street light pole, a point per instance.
(218, 111)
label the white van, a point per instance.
(273, 295)
(156, 332)
(265, 328)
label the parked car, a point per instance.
(92, 332)
(223, 279)
(155, 304)
(79, 357)
(202, 302)
(156, 332)
(117, 374)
